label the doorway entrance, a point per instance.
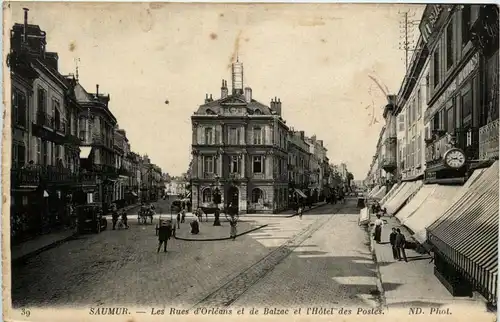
(233, 195)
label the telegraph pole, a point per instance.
(407, 42)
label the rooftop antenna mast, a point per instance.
(407, 27)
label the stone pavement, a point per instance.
(210, 232)
(412, 283)
(329, 266)
(46, 241)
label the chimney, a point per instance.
(52, 60)
(278, 107)
(248, 94)
(25, 35)
(206, 99)
(223, 89)
(302, 135)
(97, 90)
(211, 99)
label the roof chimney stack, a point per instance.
(223, 89)
(25, 36)
(97, 90)
(248, 94)
(278, 107)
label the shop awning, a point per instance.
(375, 189)
(364, 216)
(467, 234)
(390, 193)
(432, 208)
(188, 195)
(380, 193)
(300, 193)
(85, 152)
(452, 212)
(415, 202)
(394, 194)
(407, 189)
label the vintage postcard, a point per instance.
(204, 161)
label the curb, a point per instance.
(223, 238)
(312, 208)
(27, 256)
(380, 284)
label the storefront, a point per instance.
(465, 238)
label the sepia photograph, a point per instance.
(219, 161)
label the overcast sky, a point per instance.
(320, 60)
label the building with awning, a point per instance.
(85, 152)
(379, 194)
(415, 202)
(465, 239)
(405, 191)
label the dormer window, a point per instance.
(210, 112)
(257, 112)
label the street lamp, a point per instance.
(216, 197)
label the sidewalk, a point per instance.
(413, 283)
(44, 242)
(285, 214)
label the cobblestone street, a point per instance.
(310, 262)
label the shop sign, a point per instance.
(462, 75)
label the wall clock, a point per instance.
(454, 158)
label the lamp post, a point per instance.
(216, 196)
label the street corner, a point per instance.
(209, 232)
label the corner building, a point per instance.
(240, 146)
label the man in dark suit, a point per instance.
(392, 239)
(400, 244)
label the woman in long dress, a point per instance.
(378, 229)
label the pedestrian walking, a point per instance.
(183, 215)
(178, 220)
(400, 244)
(232, 223)
(378, 229)
(301, 209)
(164, 234)
(392, 239)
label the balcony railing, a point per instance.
(435, 150)
(60, 126)
(44, 119)
(124, 172)
(99, 139)
(104, 168)
(389, 163)
(488, 141)
(33, 175)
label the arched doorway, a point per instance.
(233, 196)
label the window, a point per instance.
(419, 104)
(208, 164)
(401, 122)
(207, 195)
(450, 120)
(467, 106)
(257, 195)
(450, 53)
(42, 101)
(234, 136)
(442, 120)
(257, 164)
(18, 155)
(419, 149)
(209, 136)
(45, 152)
(56, 114)
(257, 135)
(436, 69)
(466, 19)
(435, 122)
(19, 108)
(235, 161)
(414, 110)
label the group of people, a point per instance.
(396, 238)
(115, 216)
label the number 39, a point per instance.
(25, 312)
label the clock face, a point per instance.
(455, 158)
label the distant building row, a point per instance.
(245, 149)
(66, 144)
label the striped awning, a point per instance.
(375, 189)
(432, 208)
(300, 193)
(390, 193)
(415, 202)
(408, 188)
(380, 193)
(467, 236)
